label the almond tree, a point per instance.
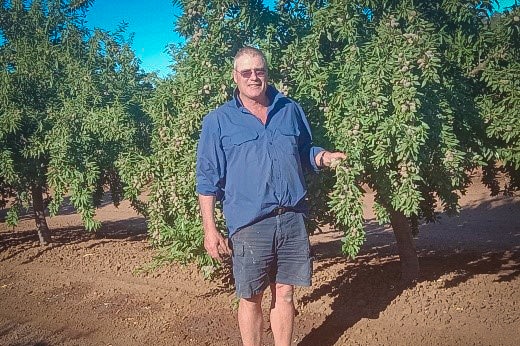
(498, 71)
(403, 87)
(69, 107)
(418, 93)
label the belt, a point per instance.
(280, 210)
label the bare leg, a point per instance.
(282, 313)
(250, 320)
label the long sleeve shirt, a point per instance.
(251, 167)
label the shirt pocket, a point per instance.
(287, 140)
(241, 145)
(243, 137)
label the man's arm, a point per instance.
(210, 177)
(317, 156)
(214, 243)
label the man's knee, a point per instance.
(253, 301)
(283, 293)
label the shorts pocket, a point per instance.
(238, 251)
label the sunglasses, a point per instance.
(260, 72)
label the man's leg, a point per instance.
(294, 267)
(282, 313)
(250, 320)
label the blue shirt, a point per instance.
(251, 167)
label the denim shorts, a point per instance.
(273, 250)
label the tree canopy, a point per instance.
(70, 105)
(417, 93)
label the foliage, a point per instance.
(401, 91)
(70, 106)
(498, 70)
(416, 93)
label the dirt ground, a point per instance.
(86, 289)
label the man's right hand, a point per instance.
(216, 245)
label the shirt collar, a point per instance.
(272, 95)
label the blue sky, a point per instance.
(152, 23)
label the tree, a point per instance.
(403, 87)
(398, 86)
(498, 72)
(69, 107)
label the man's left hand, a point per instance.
(326, 158)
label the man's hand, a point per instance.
(216, 245)
(326, 158)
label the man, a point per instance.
(250, 156)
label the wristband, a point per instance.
(321, 159)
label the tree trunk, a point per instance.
(39, 215)
(406, 247)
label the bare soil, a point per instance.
(87, 289)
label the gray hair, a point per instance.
(251, 51)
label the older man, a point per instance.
(251, 155)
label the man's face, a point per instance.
(251, 87)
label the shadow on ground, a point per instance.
(66, 208)
(484, 239)
(132, 229)
(27, 334)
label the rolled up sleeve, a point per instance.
(210, 169)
